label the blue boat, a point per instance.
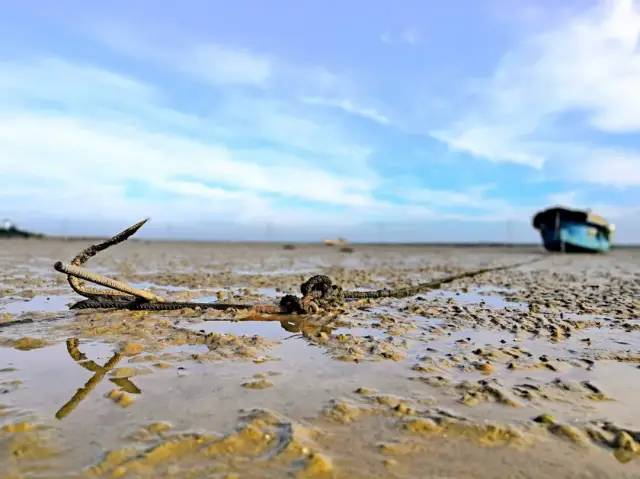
(573, 231)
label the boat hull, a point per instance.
(575, 238)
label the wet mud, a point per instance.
(525, 372)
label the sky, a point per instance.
(287, 120)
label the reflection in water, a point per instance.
(297, 325)
(265, 325)
(293, 325)
(126, 385)
(99, 373)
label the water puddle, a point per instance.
(274, 330)
(268, 292)
(56, 379)
(304, 268)
(206, 299)
(42, 303)
(470, 338)
(162, 287)
(271, 293)
(481, 297)
(71, 384)
(375, 333)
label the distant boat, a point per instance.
(576, 231)
(335, 242)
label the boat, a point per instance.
(573, 231)
(335, 242)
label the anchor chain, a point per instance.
(318, 292)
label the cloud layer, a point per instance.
(201, 127)
(583, 72)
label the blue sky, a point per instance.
(405, 121)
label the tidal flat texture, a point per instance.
(527, 372)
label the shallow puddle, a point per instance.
(275, 329)
(163, 287)
(45, 304)
(480, 296)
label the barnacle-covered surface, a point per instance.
(527, 372)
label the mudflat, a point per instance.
(532, 371)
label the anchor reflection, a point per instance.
(293, 325)
(307, 328)
(99, 374)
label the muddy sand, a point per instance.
(528, 372)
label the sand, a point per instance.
(527, 372)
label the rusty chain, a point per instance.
(318, 292)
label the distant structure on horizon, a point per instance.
(8, 229)
(335, 242)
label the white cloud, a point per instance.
(348, 106)
(97, 141)
(217, 64)
(284, 124)
(271, 110)
(86, 93)
(71, 150)
(210, 62)
(471, 203)
(569, 199)
(223, 65)
(111, 154)
(410, 36)
(470, 197)
(59, 82)
(497, 143)
(616, 167)
(589, 67)
(609, 167)
(82, 170)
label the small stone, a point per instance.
(365, 391)
(625, 441)
(26, 343)
(404, 409)
(566, 431)
(258, 384)
(422, 426)
(121, 398)
(131, 349)
(485, 368)
(318, 465)
(394, 448)
(390, 462)
(18, 427)
(158, 427)
(544, 418)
